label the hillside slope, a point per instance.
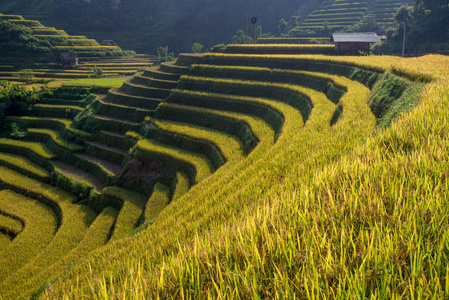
(145, 25)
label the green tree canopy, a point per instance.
(17, 38)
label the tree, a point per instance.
(240, 38)
(18, 38)
(96, 72)
(197, 47)
(161, 55)
(15, 100)
(403, 15)
(282, 26)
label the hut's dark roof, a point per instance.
(69, 55)
(367, 37)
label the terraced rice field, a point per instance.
(59, 39)
(342, 13)
(234, 175)
(114, 70)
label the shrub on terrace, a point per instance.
(15, 100)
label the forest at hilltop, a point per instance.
(145, 25)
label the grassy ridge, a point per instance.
(130, 213)
(157, 202)
(228, 145)
(40, 227)
(10, 224)
(177, 158)
(182, 186)
(24, 166)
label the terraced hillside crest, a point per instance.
(176, 150)
(341, 14)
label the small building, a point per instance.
(354, 43)
(69, 59)
(108, 43)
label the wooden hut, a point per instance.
(354, 43)
(69, 60)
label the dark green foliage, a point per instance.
(96, 72)
(86, 120)
(426, 28)
(218, 48)
(67, 93)
(163, 56)
(197, 47)
(15, 100)
(241, 38)
(17, 39)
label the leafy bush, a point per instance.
(15, 100)
(218, 48)
(197, 47)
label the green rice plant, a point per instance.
(181, 186)
(10, 17)
(156, 203)
(185, 142)
(24, 166)
(156, 73)
(82, 42)
(130, 213)
(229, 146)
(56, 138)
(88, 82)
(103, 170)
(174, 158)
(318, 81)
(96, 236)
(316, 63)
(5, 240)
(173, 69)
(72, 223)
(56, 111)
(113, 139)
(122, 112)
(36, 148)
(9, 224)
(153, 82)
(132, 100)
(116, 125)
(116, 156)
(55, 123)
(279, 49)
(143, 91)
(209, 118)
(88, 48)
(40, 226)
(28, 23)
(277, 41)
